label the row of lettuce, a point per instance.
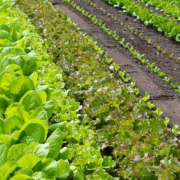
(126, 127)
(164, 6)
(151, 65)
(168, 27)
(41, 136)
(138, 33)
(174, 2)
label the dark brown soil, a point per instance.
(162, 94)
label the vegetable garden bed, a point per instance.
(126, 127)
(41, 136)
(82, 120)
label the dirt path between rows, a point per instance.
(161, 94)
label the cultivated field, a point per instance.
(89, 89)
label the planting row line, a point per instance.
(151, 65)
(164, 6)
(127, 127)
(162, 24)
(174, 2)
(41, 136)
(134, 31)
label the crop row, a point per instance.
(126, 127)
(151, 65)
(136, 32)
(164, 6)
(174, 2)
(41, 136)
(162, 24)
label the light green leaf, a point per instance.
(55, 142)
(5, 43)
(27, 172)
(34, 78)
(21, 85)
(5, 139)
(16, 152)
(41, 114)
(49, 107)
(63, 169)
(53, 127)
(21, 177)
(146, 97)
(15, 69)
(178, 37)
(64, 153)
(18, 109)
(175, 129)
(42, 95)
(77, 173)
(8, 60)
(6, 79)
(41, 176)
(15, 31)
(28, 161)
(41, 150)
(1, 126)
(3, 153)
(4, 27)
(46, 89)
(4, 34)
(11, 51)
(4, 102)
(100, 175)
(13, 123)
(49, 167)
(7, 169)
(29, 66)
(32, 130)
(108, 162)
(31, 100)
(21, 43)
